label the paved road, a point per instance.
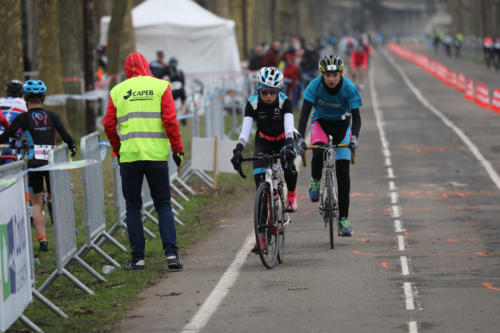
(425, 256)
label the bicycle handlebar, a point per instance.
(324, 147)
(268, 158)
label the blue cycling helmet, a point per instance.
(34, 87)
(270, 77)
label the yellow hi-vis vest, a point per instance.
(138, 112)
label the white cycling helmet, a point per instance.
(270, 77)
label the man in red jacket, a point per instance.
(143, 108)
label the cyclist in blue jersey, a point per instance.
(336, 101)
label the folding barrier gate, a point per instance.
(64, 223)
(93, 193)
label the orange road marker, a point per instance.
(489, 286)
(386, 266)
(307, 212)
(488, 254)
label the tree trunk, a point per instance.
(71, 65)
(127, 44)
(49, 53)
(11, 56)
(114, 38)
(89, 61)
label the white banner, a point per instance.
(15, 283)
(202, 154)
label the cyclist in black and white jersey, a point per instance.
(272, 112)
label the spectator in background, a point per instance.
(176, 78)
(496, 51)
(447, 41)
(488, 50)
(458, 44)
(158, 67)
(272, 56)
(292, 79)
(359, 65)
(256, 58)
(102, 61)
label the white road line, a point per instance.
(398, 226)
(226, 282)
(392, 186)
(396, 211)
(472, 147)
(401, 243)
(404, 266)
(394, 197)
(410, 305)
(412, 327)
(390, 173)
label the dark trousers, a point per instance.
(156, 173)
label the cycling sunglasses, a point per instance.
(268, 91)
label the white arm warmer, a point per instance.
(289, 125)
(245, 130)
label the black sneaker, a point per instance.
(173, 262)
(44, 247)
(134, 265)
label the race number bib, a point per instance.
(176, 85)
(42, 152)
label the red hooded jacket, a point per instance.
(136, 65)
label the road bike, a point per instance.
(270, 214)
(329, 203)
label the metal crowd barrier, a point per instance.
(14, 169)
(93, 193)
(120, 205)
(64, 223)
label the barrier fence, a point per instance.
(211, 103)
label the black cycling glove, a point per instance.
(178, 158)
(237, 157)
(288, 151)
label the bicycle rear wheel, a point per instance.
(329, 214)
(266, 233)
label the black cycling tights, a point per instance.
(290, 178)
(343, 179)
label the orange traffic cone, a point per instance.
(451, 78)
(482, 95)
(461, 84)
(469, 92)
(495, 103)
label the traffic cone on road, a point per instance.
(482, 95)
(451, 78)
(461, 84)
(495, 102)
(469, 92)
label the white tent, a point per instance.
(200, 40)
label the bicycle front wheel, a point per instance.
(266, 230)
(329, 214)
(280, 214)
